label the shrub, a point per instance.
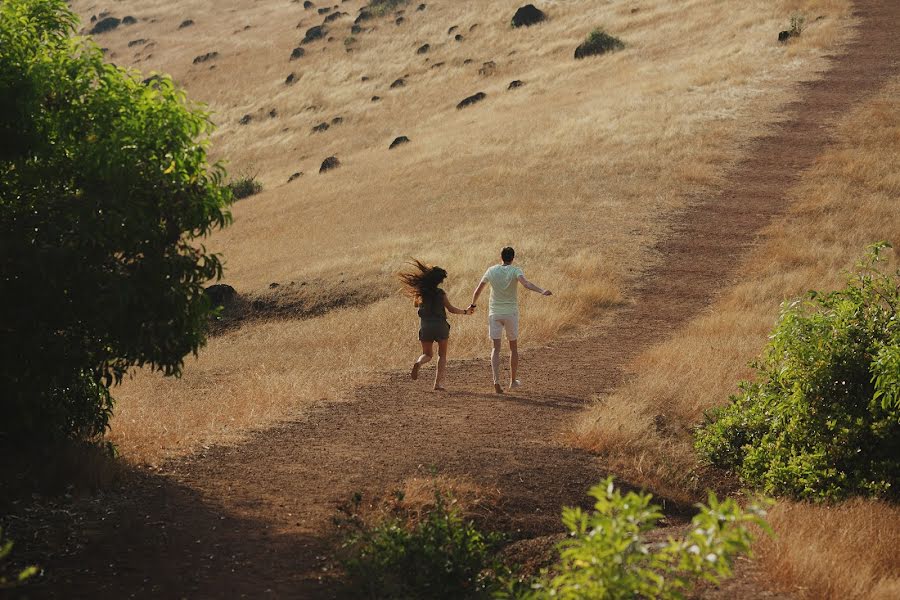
(245, 186)
(383, 7)
(607, 557)
(17, 578)
(104, 187)
(822, 419)
(440, 556)
(598, 42)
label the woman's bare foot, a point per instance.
(415, 371)
(439, 388)
(497, 388)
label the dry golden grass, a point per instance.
(845, 202)
(579, 170)
(847, 551)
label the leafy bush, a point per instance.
(17, 578)
(245, 186)
(606, 556)
(383, 7)
(104, 187)
(797, 22)
(440, 556)
(598, 42)
(822, 419)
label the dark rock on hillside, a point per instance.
(458, 37)
(290, 79)
(129, 20)
(487, 68)
(273, 113)
(104, 25)
(399, 21)
(598, 43)
(364, 78)
(313, 34)
(437, 64)
(473, 27)
(452, 29)
(354, 29)
(329, 163)
(308, 5)
(527, 16)
(468, 61)
(420, 7)
(297, 53)
(220, 294)
(205, 57)
(186, 23)
(337, 121)
(323, 126)
(376, 98)
(245, 119)
(335, 16)
(397, 141)
(471, 100)
(398, 83)
(423, 49)
(324, 10)
(294, 176)
(363, 15)
(93, 18)
(784, 36)
(137, 42)
(515, 84)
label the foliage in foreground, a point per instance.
(440, 556)
(606, 556)
(17, 578)
(822, 419)
(104, 187)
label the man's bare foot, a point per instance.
(415, 371)
(439, 388)
(497, 388)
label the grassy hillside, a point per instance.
(579, 169)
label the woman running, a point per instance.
(421, 284)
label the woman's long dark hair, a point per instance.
(421, 281)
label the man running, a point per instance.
(504, 312)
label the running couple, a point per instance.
(422, 284)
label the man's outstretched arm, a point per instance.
(530, 286)
(477, 292)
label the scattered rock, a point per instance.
(452, 29)
(205, 57)
(290, 79)
(437, 64)
(472, 28)
(423, 49)
(784, 36)
(274, 285)
(420, 7)
(334, 16)
(398, 83)
(471, 100)
(527, 16)
(93, 18)
(323, 126)
(337, 121)
(129, 20)
(308, 5)
(329, 163)
(487, 68)
(104, 25)
(137, 42)
(297, 53)
(152, 80)
(363, 15)
(324, 10)
(399, 21)
(273, 113)
(186, 23)
(397, 141)
(364, 78)
(313, 34)
(468, 61)
(515, 84)
(458, 37)
(294, 176)
(376, 98)
(220, 294)
(245, 119)
(354, 29)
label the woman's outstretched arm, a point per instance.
(453, 309)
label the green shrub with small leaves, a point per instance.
(105, 190)
(383, 7)
(598, 42)
(440, 556)
(16, 579)
(607, 557)
(821, 421)
(245, 186)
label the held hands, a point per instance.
(546, 293)
(470, 310)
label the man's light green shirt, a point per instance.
(504, 280)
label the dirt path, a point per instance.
(252, 518)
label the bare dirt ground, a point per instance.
(255, 519)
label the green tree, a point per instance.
(105, 189)
(822, 419)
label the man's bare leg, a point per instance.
(495, 365)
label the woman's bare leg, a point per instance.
(442, 365)
(427, 348)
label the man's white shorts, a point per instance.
(498, 323)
